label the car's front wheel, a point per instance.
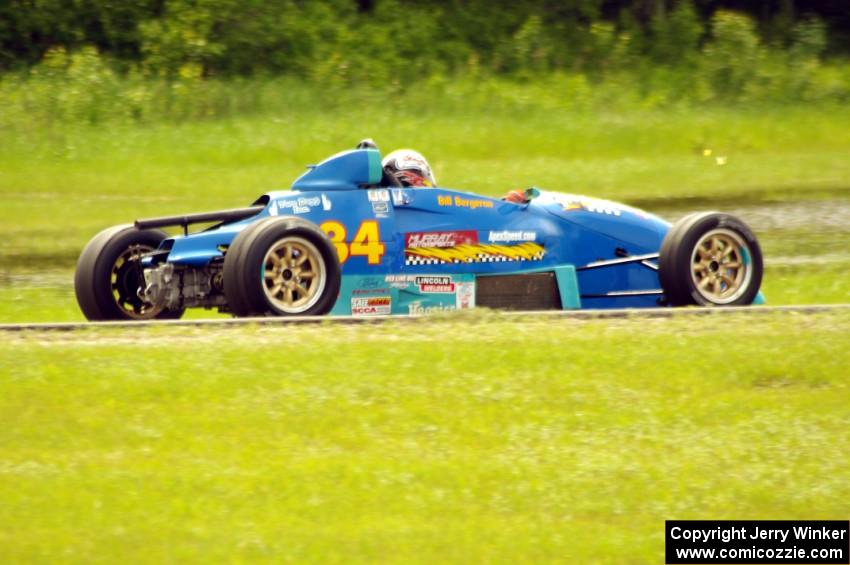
(281, 266)
(710, 259)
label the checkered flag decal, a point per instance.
(410, 259)
(416, 260)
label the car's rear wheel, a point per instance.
(109, 279)
(283, 267)
(710, 259)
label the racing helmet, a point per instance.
(409, 167)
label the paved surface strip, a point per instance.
(295, 320)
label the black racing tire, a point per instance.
(710, 259)
(108, 276)
(258, 282)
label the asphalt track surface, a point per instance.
(299, 320)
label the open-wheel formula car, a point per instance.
(348, 240)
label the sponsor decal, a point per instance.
(435, 284)
(399, 281)
(465, 295)
(371, 305)
(326, 203)
(381, 209)
(371, 286)
(379, 195)
(426, 284)
(301, 205)
(440, 239)
(473, 253)
(417, 309)
(369, 291)
(602, 209)
(463, 202)
(571, 202)
(506, 236)
(370, 282)
(400, 198)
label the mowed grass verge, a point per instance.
(471, 437)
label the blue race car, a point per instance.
(348, 240)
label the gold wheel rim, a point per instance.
(293, 275)
(127, 267)
(720, 266)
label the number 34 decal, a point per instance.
(366, 242)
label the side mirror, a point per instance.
(531, 193)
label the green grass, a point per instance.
(807, 284)
(463, 439)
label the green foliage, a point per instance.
(344, 42)
(809, 38)
(675, 38)
(734, 54)
(181, 44)
(77, 87)
(82, 87)
(31, 28)
(185, 59)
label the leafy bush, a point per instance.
(200, 59)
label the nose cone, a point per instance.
(644, 231)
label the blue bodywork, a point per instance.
(398, 242)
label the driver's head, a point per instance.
(409, 167)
